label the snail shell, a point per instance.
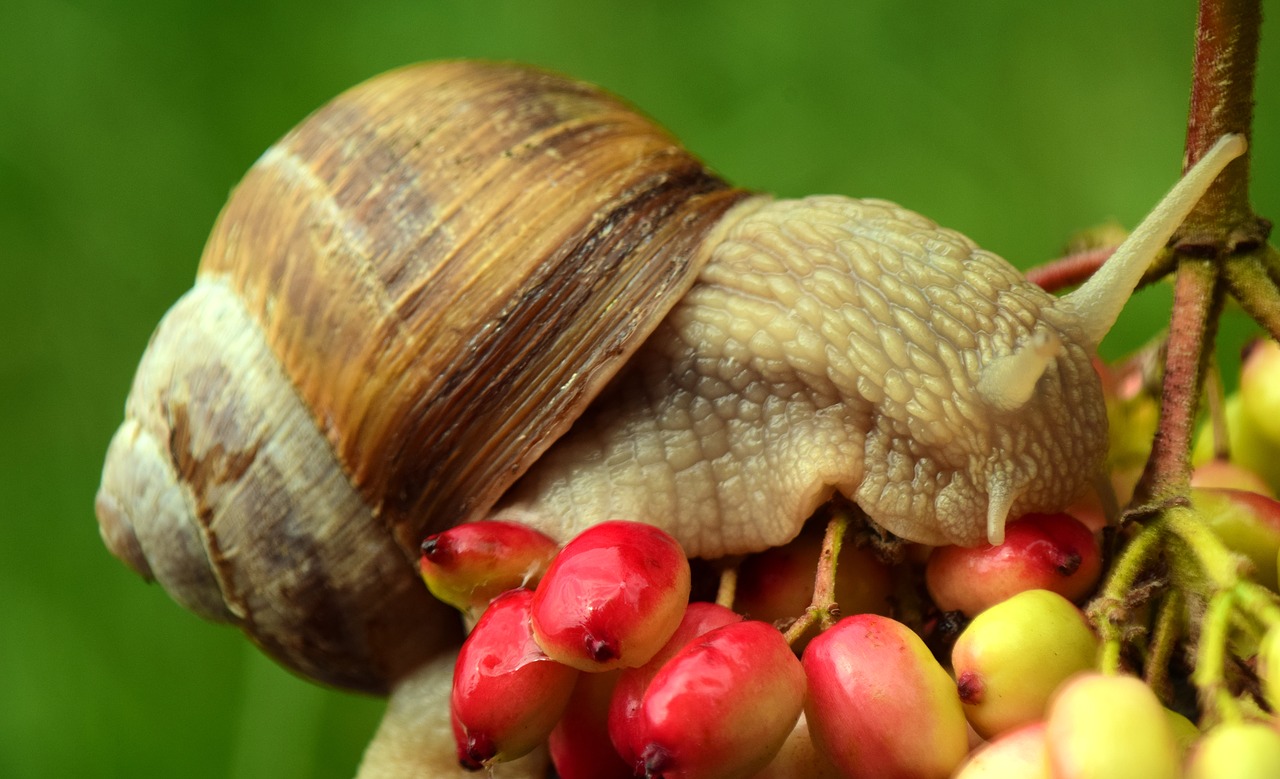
(411, 298)
(403, 303)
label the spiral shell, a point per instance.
(404, 302)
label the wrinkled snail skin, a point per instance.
(850, 345)
(409, 300)
(830, 344)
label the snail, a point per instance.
(467, 289)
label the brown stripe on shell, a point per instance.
(237, 504)
(451, 260)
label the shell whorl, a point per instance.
(437, 271)
(451, 260)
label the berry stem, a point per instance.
(1109, 611)
(1205, 557)
(1164, 639)
(1253, 282)
(823, 608)
(1261, 604)
(728, 588)
(1211, 657)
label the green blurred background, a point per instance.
(123, 125)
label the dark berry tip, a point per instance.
(1068, 563)
(655, 760)
(600, 650)
(437, 549)
(970, 687)
(480, 750)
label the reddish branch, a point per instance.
(1222, 228)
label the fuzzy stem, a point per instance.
(1252, 281)
(1259, 603)
(1164, 639)
(1108, 611)
(1226, 60)
(1209, 676)
(1210, 558)
(1196, 304)
(823, 608)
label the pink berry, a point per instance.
(1247, 523)
(799, 758)
(880, 706)
(1260, 388)
(1017, 754)
(507, 694)
(624, 709)
(579, 745)
(612, 597)
(722, 706)
(1224, 474)
(1109, 727)
(471, 564)
(1040, 552)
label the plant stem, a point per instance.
(1226, 60)
(1197, 301)
(728, 588)
(1211, 657)
(1108, 611)
(1164, 638)
(1253, 283)
(1221, 225)
(823, 608)
(1070, 270)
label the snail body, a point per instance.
(461, 277)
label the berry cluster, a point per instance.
(830, 659)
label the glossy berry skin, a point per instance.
(722, 706)
(628, 693)
(1011, 658)
(879, 705)
(1053, 552)
(469, 565)
(612, 597)
(507, 694)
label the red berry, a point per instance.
(624, 709)
(612, 597)
(1040, 552)
(722, 706)
(471, 564)
(579, 745)
(507, 694)
(880, 706)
